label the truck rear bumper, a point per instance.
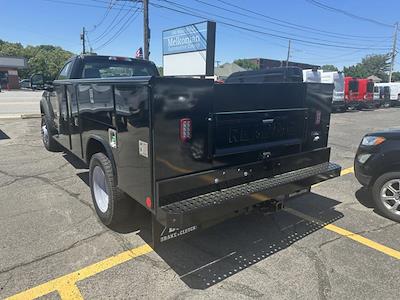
(213, 206)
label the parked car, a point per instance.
(191, 152)
(25, 83)
(377, 167)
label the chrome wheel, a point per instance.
(44, 131)
(100, 189)
(390, 196)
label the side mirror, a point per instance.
(48, 86)
(37, 80)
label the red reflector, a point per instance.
(185, 129)
(317, 117)
(148, 202)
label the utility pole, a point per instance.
(396, 28)
(288, 55)
(83, 34)
(146, 30)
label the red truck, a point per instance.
(366, 92)
(359, 92)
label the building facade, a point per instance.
(9, 67)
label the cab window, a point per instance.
(64, 74)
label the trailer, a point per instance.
(191, 152)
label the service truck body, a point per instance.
(190, 151)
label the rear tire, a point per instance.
(386, 195)
(46, 132)
(108, 200)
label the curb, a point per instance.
(30, 116)
(24, 116)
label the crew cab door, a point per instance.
(59, 103)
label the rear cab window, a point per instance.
(109, 67)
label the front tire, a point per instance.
(46, 132)
(108, 200)
(386, 195)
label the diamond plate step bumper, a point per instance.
(210, 206)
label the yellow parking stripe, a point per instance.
(66, 285)
(347, 171)
(343, 232)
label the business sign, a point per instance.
(189, 50)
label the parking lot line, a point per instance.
(347, 171)
(67, 288)
(351, 235)
(66, 285)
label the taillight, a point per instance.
(317, 117)
(149, 203)
(185, 129)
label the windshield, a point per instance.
(107, 69)
(353, 85)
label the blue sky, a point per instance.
(56, 22)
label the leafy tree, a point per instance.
(160, 70)
(377, 65)
(329, 68)
(45, 59)
(396, 76)
(246, 63)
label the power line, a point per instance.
(351, 15)
(179, 5)
(107, 12)
(297, 26)
(257, 31)
(127, 23)
(76, 3)
(111, 26)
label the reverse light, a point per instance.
(372, 140)
(185, 129)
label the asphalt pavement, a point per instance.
(52, 243)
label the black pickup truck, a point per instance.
(191, 152)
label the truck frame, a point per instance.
(191, 152)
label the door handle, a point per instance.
(268, 121)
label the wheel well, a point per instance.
(394, 168)
(93, 147)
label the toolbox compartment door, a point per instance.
(281, 131)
